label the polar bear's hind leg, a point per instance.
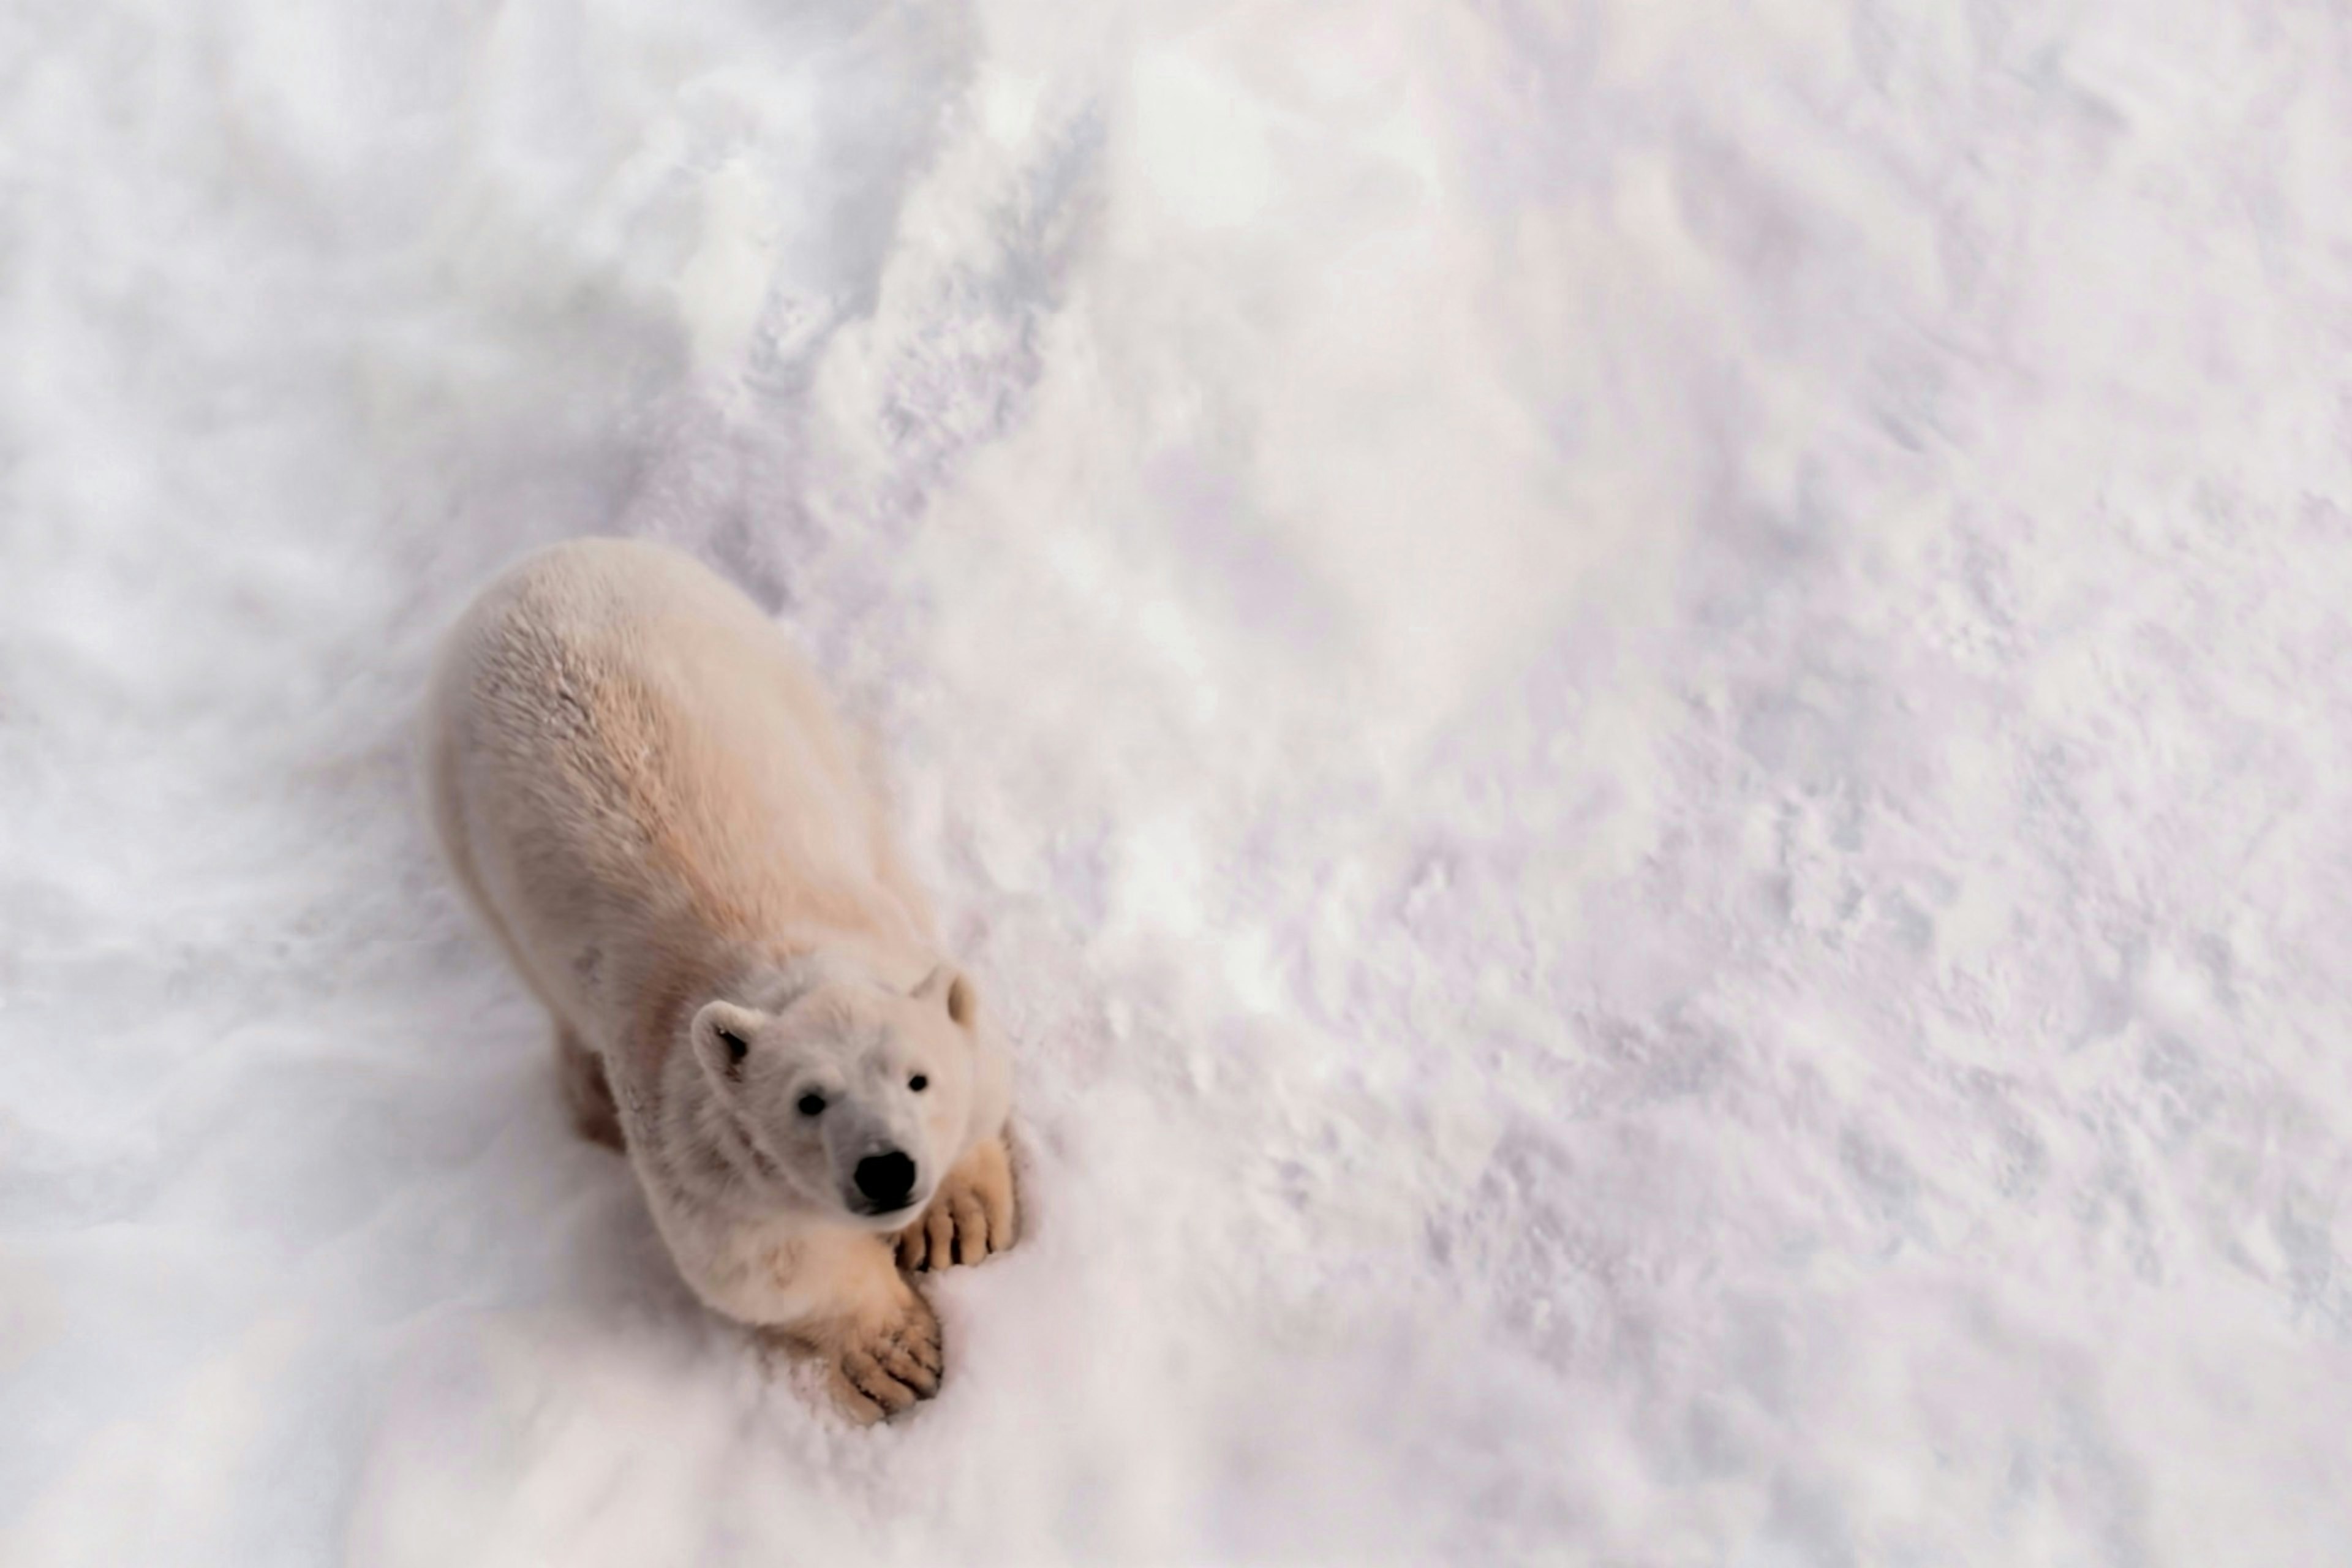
(594, 1113)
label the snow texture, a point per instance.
(1643, 710)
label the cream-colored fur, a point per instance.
(639, 786)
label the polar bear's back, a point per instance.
(632, 770)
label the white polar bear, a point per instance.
(639, 786)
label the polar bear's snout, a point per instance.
(885, 1182)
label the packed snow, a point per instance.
(1642, 711)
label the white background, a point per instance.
(1639, 707)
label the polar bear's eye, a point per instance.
(919, 1083)
(811, 1105)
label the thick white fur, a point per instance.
(640, 787)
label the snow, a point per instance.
(1640, 708)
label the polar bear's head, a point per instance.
(851, 1097)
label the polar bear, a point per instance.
(640, 788)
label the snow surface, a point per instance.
(1640, 708)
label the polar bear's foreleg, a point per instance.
(841, 1297)
(971, 1216)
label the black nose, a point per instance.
(886, 1181)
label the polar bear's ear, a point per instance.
(947, 986)
(723, 1038)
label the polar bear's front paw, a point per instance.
(881, 1369)
(971, 1216)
